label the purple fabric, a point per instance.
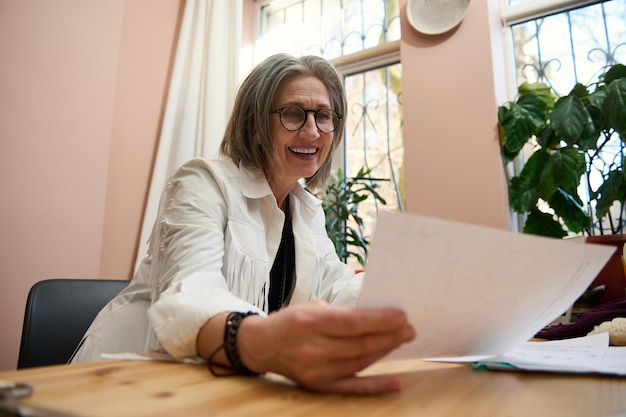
(586, 321)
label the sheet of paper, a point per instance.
(471, 290)
(589, 354)
(149, 356)
(577, 353)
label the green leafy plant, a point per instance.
(568, 135)
(340, 200)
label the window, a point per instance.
(568, 46)
(328, 28)
(362, 39)
(563, 42)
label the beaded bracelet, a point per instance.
(233, 321)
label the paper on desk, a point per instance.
(149, 356)
(589, 354)
(470, 290)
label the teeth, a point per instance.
(307, 151)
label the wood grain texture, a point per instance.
(139, 388)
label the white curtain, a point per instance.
(204, 78)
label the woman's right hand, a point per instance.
(323, 347)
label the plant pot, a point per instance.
(613, 274)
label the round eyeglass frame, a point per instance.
(306, 112)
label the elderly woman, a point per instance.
(240, 271)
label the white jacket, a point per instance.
(212, 248)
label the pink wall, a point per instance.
(452, 84)
(146, 55)
(82, 90)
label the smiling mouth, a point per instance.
(303, 151)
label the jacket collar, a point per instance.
(255, 185)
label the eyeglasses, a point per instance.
(294, 117)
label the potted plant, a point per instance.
(568, 135)
(566, 186)
(340, 200)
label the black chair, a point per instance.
(58, 312)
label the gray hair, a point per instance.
(247, 139)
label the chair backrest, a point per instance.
(58, 312)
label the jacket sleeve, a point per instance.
(189, 239)
(334, 281)
(342, 285)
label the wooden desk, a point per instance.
(128, 388)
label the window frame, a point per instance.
(535, 9)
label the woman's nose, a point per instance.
(310, 127)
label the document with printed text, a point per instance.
(472, 291)
(589, 354)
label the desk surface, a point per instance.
(130, 388)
